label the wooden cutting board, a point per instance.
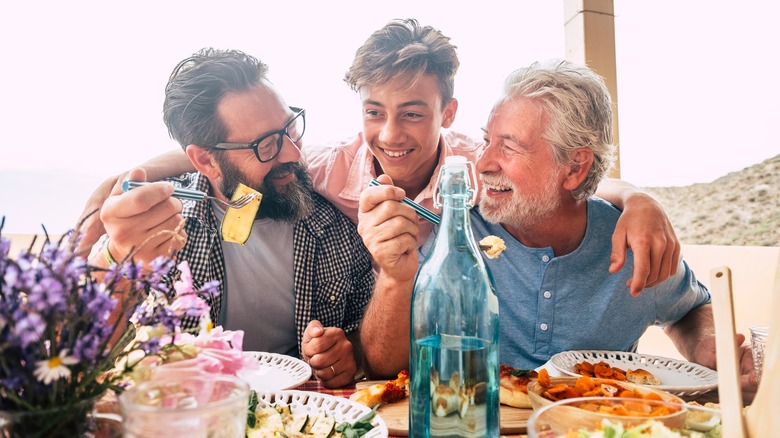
(396, 416)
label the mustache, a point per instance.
(495, 179)
(283, 169)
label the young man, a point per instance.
(300, 284)
(548, 144)
(405, 76)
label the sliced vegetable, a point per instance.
(237, 223)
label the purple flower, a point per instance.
(86, 348)
(29, 329)
(47, 295)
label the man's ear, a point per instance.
(449, 113)
(581, 161)
(203, 161)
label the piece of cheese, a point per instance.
(496, 246)
(237, 223)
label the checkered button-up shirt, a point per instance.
(331, 266)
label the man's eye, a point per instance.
(413, 115)
(268, 143)
(372, 113)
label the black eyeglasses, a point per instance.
(268, 146)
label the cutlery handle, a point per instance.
(180, 193)
(422, 211)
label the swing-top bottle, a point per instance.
(454, 323)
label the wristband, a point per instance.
(107, 253)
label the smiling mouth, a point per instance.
(395, 154)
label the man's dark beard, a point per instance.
(291, 204)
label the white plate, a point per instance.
(340, 408)
(276, 372)
(676, 376)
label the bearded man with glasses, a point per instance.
(301, 282)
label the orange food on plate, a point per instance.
(383, 393)
(587, 387)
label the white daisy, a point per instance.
(47, 371)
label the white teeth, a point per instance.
(395, 154)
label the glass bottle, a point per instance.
(454, 324)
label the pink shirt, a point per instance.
(341, 171)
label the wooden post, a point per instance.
(590, 40)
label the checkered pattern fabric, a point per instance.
(332, 268)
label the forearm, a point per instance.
(385, 329)
(617, 191)
(690, 335)
(169, 164)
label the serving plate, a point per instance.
(312, 403)
(677, 377)
(275, 372)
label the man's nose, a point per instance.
(291, 152)
(391, 132)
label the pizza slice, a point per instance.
(513, 386)
(383, 393)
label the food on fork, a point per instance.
(513, 386)
(237, 223)
(383, 393)
(496, 246)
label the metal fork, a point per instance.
(424, 212)
(196, 195)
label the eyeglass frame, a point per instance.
(299, 112)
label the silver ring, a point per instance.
(334, 370)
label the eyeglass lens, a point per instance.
(270, 146)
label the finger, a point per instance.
(641, 270)
(675, 258)
(370, 197)
(618, 257)
(657, 249)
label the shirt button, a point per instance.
(333, 298)
(543, 327)
(545, 258)
(547, 294)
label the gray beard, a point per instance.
(522, 211)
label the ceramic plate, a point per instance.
(677, 376)
(276, 372)
(311, 403)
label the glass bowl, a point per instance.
(595, 416)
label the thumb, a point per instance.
(137, 174)
(313, 330)
(385, 179)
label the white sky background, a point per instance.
(698, 87)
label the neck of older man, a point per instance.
(563, 230)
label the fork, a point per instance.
(424, 212)
(421, 211)
(196, 195)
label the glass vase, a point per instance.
(77, 419)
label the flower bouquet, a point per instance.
(63, 327)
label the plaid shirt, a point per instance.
(332, 268)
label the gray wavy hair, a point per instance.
(578, 107)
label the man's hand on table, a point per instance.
(329, 353)
(705, 355)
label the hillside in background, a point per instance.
(741, 208)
